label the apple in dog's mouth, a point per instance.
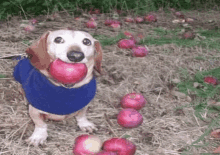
(67, 73)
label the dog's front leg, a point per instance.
(83, 123)
(40, 132)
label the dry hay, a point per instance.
(165, 130)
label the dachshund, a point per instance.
(49, 78)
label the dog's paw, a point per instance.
(86, 125)
(38, 137)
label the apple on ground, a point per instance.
(108, 22)
(115, 26)
(210, 80)
(29, 28)
(133, 100)
(129, 19)
(128, 34)
(139, 51)
(129, 118)
(150, 18)
(126, 43)
(189, 35)
(139, 19)
(91, 24)
(87, 144)
(121, 146)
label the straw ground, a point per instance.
(170, 125)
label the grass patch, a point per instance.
(210, 33)
(204, 90)
(213, 123)
(162, 36)
(203, 93)
(105, 40)
(2, 76)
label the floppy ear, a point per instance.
(98, 57)
(38, 54)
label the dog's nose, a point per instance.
(75, 56)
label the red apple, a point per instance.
(91, 24)
(139, 51)
(67, 73)
(129, 118)
(107, 153)
(108, 22)
(126, 43)
(128, 34)
(211, 80)
(129, 20)
(29, 28)
(150, 18)
(87, 145)
(189, 35)
(133, 100)
(115, 26)
(33, 21)
(179, 14)
(139, 19)
(120, 145)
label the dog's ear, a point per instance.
(38, 54)
(98, 57)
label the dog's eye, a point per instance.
(58, 40)
(86, 42)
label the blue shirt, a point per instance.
(45, 96)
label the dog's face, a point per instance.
(71, 46)
(67, 45)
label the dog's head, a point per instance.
(67, 45)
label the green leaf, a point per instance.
(126, 136)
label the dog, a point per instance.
(52, 98)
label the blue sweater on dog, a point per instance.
(45, 96)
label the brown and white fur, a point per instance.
(45, 51)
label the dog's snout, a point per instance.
(75, 56)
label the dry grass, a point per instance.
(165, 130)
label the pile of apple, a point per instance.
(91, 145)
(113, 23)
(129, 117)
(148, 18)
(117, 24)
(137, 51)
